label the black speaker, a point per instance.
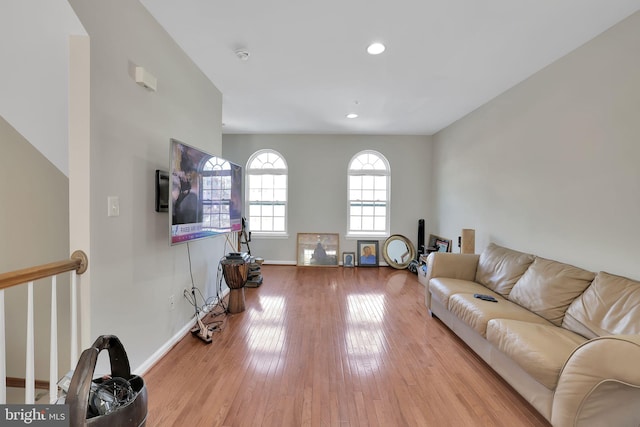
(421, 247)
(162, 191)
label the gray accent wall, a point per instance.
(318, 184)
(551, 166)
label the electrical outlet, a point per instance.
(172, 302)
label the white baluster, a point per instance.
(3, 352)
(53, 357)
(29, 377)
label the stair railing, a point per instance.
(77, 265)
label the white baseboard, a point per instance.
(279, 262)
(164, 349)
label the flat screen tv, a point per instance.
(206, 194)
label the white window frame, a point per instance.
(369, 172)
(217, 171)
(267, 171)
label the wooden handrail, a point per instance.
(21, 383)
(78, 262)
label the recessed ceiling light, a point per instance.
(376, 48)
(352, 116)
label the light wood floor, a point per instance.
(321, 346)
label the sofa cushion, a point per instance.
(442, 288)
(610, 306)
(476, 313)
(540, 349)
(548, 287)
(500, 268)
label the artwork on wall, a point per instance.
(367, 253)
(318, 249)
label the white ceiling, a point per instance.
(308, 65)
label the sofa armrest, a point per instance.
(454, 266)
(600, 384)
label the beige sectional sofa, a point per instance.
(565, 338)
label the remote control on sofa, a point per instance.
(485, 297)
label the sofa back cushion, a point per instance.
(500, 268)
(610, 306)
(548, 287)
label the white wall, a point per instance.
(550, 167)
(79, 173)
(318, 183)
(34, 73)
(34, 219)
(133, 270)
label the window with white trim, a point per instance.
(216, 193)
(266, 193)
(369, 194)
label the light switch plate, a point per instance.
(113, 206)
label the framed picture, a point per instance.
(348, 259)
(367, 253)
(443, 245)
(318, 249)
(438, 244)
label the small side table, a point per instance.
(422, 269)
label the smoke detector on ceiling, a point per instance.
(242, 54)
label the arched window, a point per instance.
(266, 193)
(369, 194)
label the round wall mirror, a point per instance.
(398, 251)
